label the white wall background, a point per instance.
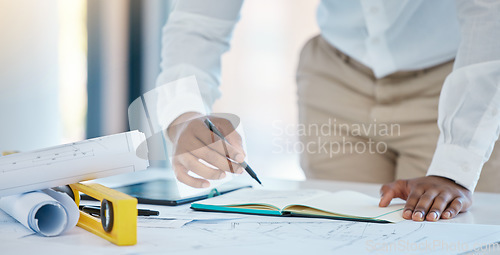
(29, 113)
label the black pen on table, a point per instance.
(96, 210)
(244, 164)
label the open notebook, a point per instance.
(342, 205)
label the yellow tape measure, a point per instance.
(118, 221)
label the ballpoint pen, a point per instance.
(244, 164)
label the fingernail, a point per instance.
(433, 216)
(222, 175)
(447, 215)
(407, 214)
(205, 185)
(418, 215)
(239, 158)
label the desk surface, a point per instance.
(213, 233)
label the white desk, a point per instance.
(275, 235)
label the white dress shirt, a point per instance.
(387, 36)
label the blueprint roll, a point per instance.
(47, 212)
(74, 162)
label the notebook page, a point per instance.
(350, 203)
(279, 199)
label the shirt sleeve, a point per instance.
(469, 106)
(195, 36)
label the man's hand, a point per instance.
(194, 141)
(429, 198)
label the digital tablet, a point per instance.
(157, 186)
(164, 192)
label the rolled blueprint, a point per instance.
(72, 163)
(47, 212)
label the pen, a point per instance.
(244, 164)
(96, 210)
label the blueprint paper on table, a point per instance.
(72, 163)
(271, 235)
(47, 212)
(251, 234)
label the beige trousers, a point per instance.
(355, 127)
